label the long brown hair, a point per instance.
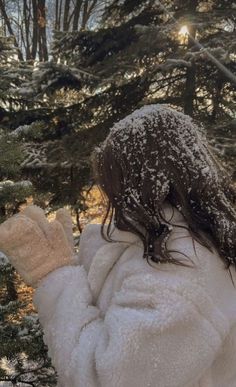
(157, 154)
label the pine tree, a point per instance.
(53, 113)
(144, 52)
(151, 51)
(23, 356)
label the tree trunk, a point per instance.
(87, 11)
(60, 14)
(91, 8)
(35, 29)
(77, 11)
(85, 15)
(190, 90)
(66, 24)
(27, 29)
(78, 220)
(57, 18)
(9, 27)
(42, 37)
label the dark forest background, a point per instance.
(69, 69)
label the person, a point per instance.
(150, 299)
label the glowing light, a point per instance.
(184, 31)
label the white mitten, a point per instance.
(36, 246)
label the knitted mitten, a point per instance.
(36, 246)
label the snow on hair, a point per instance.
(157, 153)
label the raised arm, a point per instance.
(153, 334)
(157, 331)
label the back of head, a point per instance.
(157, 154)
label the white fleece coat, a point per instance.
(115, 321)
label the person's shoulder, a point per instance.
(93, 231)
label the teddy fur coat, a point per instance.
(115, 321)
